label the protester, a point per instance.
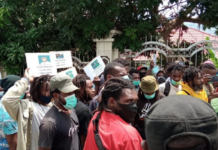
(166, 75)
(28, 113)
(86, 88)
(159, 74)
(144, 71)
(181, 123)
(160, 77)
(209, 70)
(59, 127)
(193, 84)
(136, 78)
(8, 127)
(84, 95)
(111, 70)
(148, 94)
(111, 126)
(173, 85)
(124, 62)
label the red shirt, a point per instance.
(115, 134)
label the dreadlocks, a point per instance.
(113, 88)
(175, 67)
(80, 82)
(37, 85)
(190, 73)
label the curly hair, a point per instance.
(37, 85)
(113, 88)
(190, 73)
(173, 67)
(80, 82)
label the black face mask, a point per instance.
(127, 112)
(45, 99)
(142, 74)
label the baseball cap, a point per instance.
(141, 67)
(149, 84)
(7, 82)
(63, 83)
(178, 116)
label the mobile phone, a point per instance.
(214, 79)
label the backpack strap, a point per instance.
(97, 137)
(186, 92)
(167, 88)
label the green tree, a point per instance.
(41, 26)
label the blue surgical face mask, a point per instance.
(136, 83)
(45, 99)
(22, 96)
(149, 96)
(175, 83)
(126, 77)
(71, 102)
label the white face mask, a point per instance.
(126, 77)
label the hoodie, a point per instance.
(201, 94)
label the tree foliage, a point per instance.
(41, 26)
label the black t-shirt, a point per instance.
(59, 131)
(84, 115)
(143, 108)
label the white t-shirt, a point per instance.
(173, 90)
(39, 112)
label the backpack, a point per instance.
(167, 88)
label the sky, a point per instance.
(196, 26)
(177, 8)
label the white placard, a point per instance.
(94, 68)
(63, 59)
(70, 72)
(41, 63)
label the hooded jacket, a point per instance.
(21, 111)
(187, 90)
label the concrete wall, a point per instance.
(104, 46)
(3, 74)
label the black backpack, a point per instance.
(167, 88)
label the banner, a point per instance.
(63, 59)
(41, 63)
(94, 68)
(70, 72)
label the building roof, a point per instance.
(192, 36)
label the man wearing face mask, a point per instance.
(28, 112)
(136, 78)
(173, 85)
(111, 128)
(148, 94)
(193, 84)
(59, 127)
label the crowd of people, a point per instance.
(123, 109)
